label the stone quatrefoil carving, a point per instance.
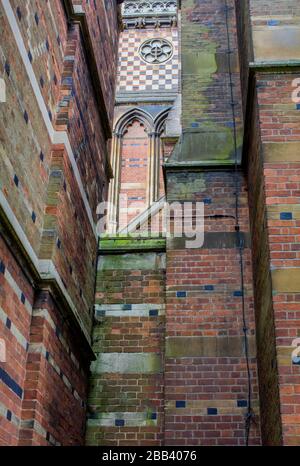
(141, 7)
(156, 51)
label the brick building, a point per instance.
(147, 340)
(55, 127)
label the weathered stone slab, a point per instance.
(277, 43)
(281, 152)
(186, 347)
(286, 280)
(125, 363)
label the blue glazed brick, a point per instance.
(33, 216)
(207, 201)
(212, 411)
(26, 117)
(298, 106)
(19, 13)
(194, 125)
(101, 313)
(7, 68)
(2, 267)
(10, 383)
(119, 423)
(23, 299)
(242, 403)
(230, 124)
(238, 293)
(286, 216)
(180, 404)
(126, 307)
(8, 415)
(209, 287)
(153, 313)
(16, 180)
(8, 323)
(181, 294)
(273, 22)
(153, 416)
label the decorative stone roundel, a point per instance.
(156, 51)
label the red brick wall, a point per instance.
(279, 120)
(266, 346)
(206, 382)
(133, 285)
(134, 170)
(44, 377)
(102, 18)
(55, 388)
(16, 300)
(55, 171)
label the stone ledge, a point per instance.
(118, 244)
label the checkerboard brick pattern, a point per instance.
(135, 75)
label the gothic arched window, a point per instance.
(137, 166)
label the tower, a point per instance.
(147, 107)
(178, 323)
(174, 334)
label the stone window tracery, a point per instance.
(159, 6)
(156, 51)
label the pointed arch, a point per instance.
(131, 115)
(160, 120)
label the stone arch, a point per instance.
(131, 115)
(160, 120)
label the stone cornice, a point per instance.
(149, 13)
